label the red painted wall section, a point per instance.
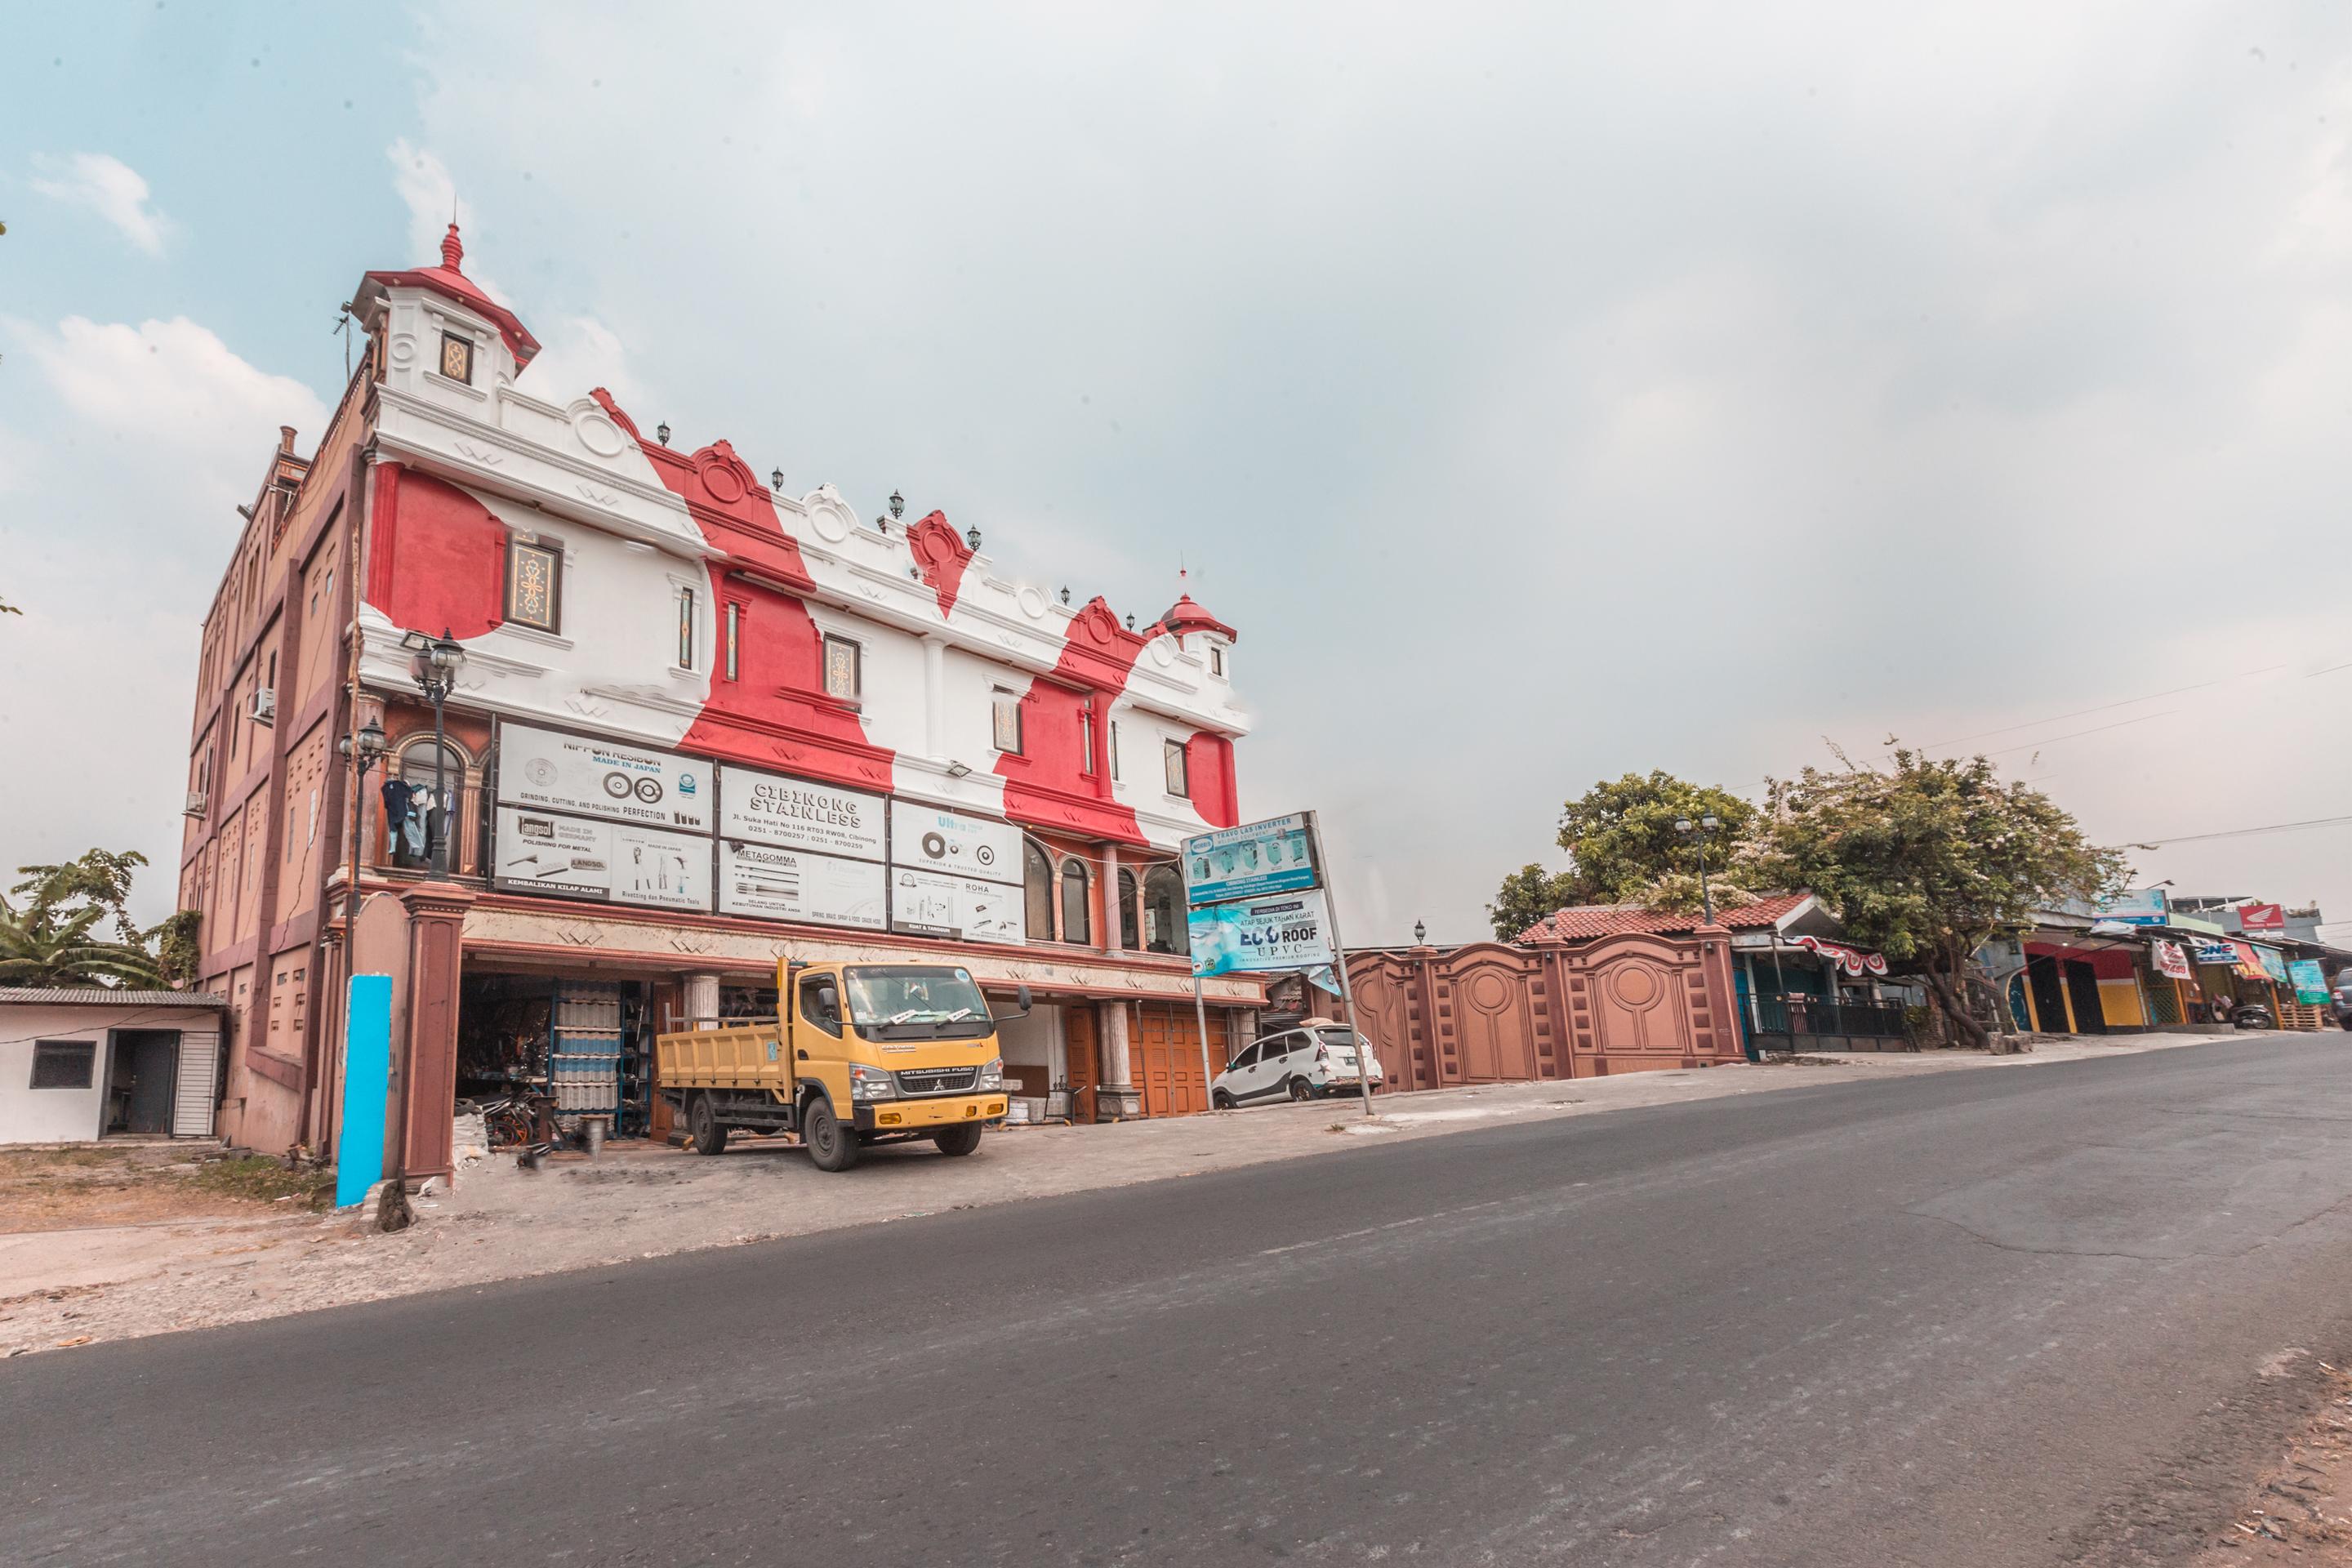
(774, 713)
(437, 558)
(1048, 786)
(1209, 769)
(942, 555)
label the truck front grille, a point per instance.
(937, 1080)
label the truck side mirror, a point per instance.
(1021, 999)
(828, 1003)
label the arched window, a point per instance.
(1076, 924)
(1126, 910)
(413, 817)
(1164, 930)
(1037, 879)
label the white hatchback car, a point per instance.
(1316, 1059)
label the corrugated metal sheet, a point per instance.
(104, 996)
(192, 1102)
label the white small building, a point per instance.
(79, 1065)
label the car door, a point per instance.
(1277, 1059)
(1234, 1082)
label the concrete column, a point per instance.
(935, 699)
(701, 997)
(426, 1061)
(1118, 1096)
(1110, 897)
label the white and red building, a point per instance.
(700, 722)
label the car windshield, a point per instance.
(904, 1000)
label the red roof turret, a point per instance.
(1184, 615)
(447, 280)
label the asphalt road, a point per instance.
(1976, 1318)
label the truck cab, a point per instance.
(858, 1053)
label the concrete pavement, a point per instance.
(1960, 1318)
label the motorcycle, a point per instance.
(2252, 1015)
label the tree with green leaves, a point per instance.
(1930, 859)
(1526, 896)
(51, 930)
(1624, 847)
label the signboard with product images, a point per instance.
(927, 903)
(599, 778)
(768, 883)
(611, 862)
(2310, 983)
(2170, 959)
(1251, 861)
(2273, 962)
(798, 813)
(2139, 907)
(1254, 934)
(932, 838)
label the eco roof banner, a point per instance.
(1251, 861)
(1261, 934)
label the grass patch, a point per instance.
(257, 1178)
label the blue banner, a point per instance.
(367, 1085)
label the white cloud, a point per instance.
(578, 353)
(110, 188)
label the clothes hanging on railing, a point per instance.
(405, 805)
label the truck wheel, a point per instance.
(702, 1121)
(960, 1139)
(831, 1146)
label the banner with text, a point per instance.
(614, 862)
(556, 772)
(798, 813)
(933, 838)
(1251, 861)
(928, 903)
(768, 883)
(1257, 934)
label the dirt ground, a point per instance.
(234, 1261)
(2300, 1509)
(131, 1184)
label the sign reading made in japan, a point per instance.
(556, 772)
(1251, 861)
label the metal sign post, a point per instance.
(1340, 953)
(1201, 1012)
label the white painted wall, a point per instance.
(28, 1115)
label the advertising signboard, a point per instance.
(798, 813)
(770, 883)
(2139, 907)
(2310, 983)
(2273, 962)
(2261, 917)
(1251, 861)
(2170, 959)
(932, 838)
(928, 903)
(2216, 953)
(1251, 934)
(598, 778)
(612, 862)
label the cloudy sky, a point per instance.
(1543, 395)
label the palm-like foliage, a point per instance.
(50, 933)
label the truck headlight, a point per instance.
(991, 1076)
(870, 1083)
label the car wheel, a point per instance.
(1301, 1091)
(702, 1123)
(831, 1146)
(1222, 1101)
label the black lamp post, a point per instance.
(1707, 825)
(362, 750)
(434, 662)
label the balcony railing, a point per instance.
(1810, 1018)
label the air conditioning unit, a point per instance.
(265, 706)
(195, 806)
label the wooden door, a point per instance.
(1164, 1041)
(1079, 1046)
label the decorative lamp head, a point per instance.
(776, 480)
(897, 504)
(1065, 593)
(1421, 934)
(971, 537)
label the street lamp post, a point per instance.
(362, 750)
(1707, 825)
(434, 662)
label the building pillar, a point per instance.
(425, 1064)
(701, 999)
(1110, 900)
(1118, 1097)
(935, 699)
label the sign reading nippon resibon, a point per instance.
(556, 772)
(1254, 860)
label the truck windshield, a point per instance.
(906, 1002)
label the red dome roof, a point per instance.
(1184, 615)
(447, 279)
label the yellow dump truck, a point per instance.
(858, 1053)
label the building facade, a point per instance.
(697, 724)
